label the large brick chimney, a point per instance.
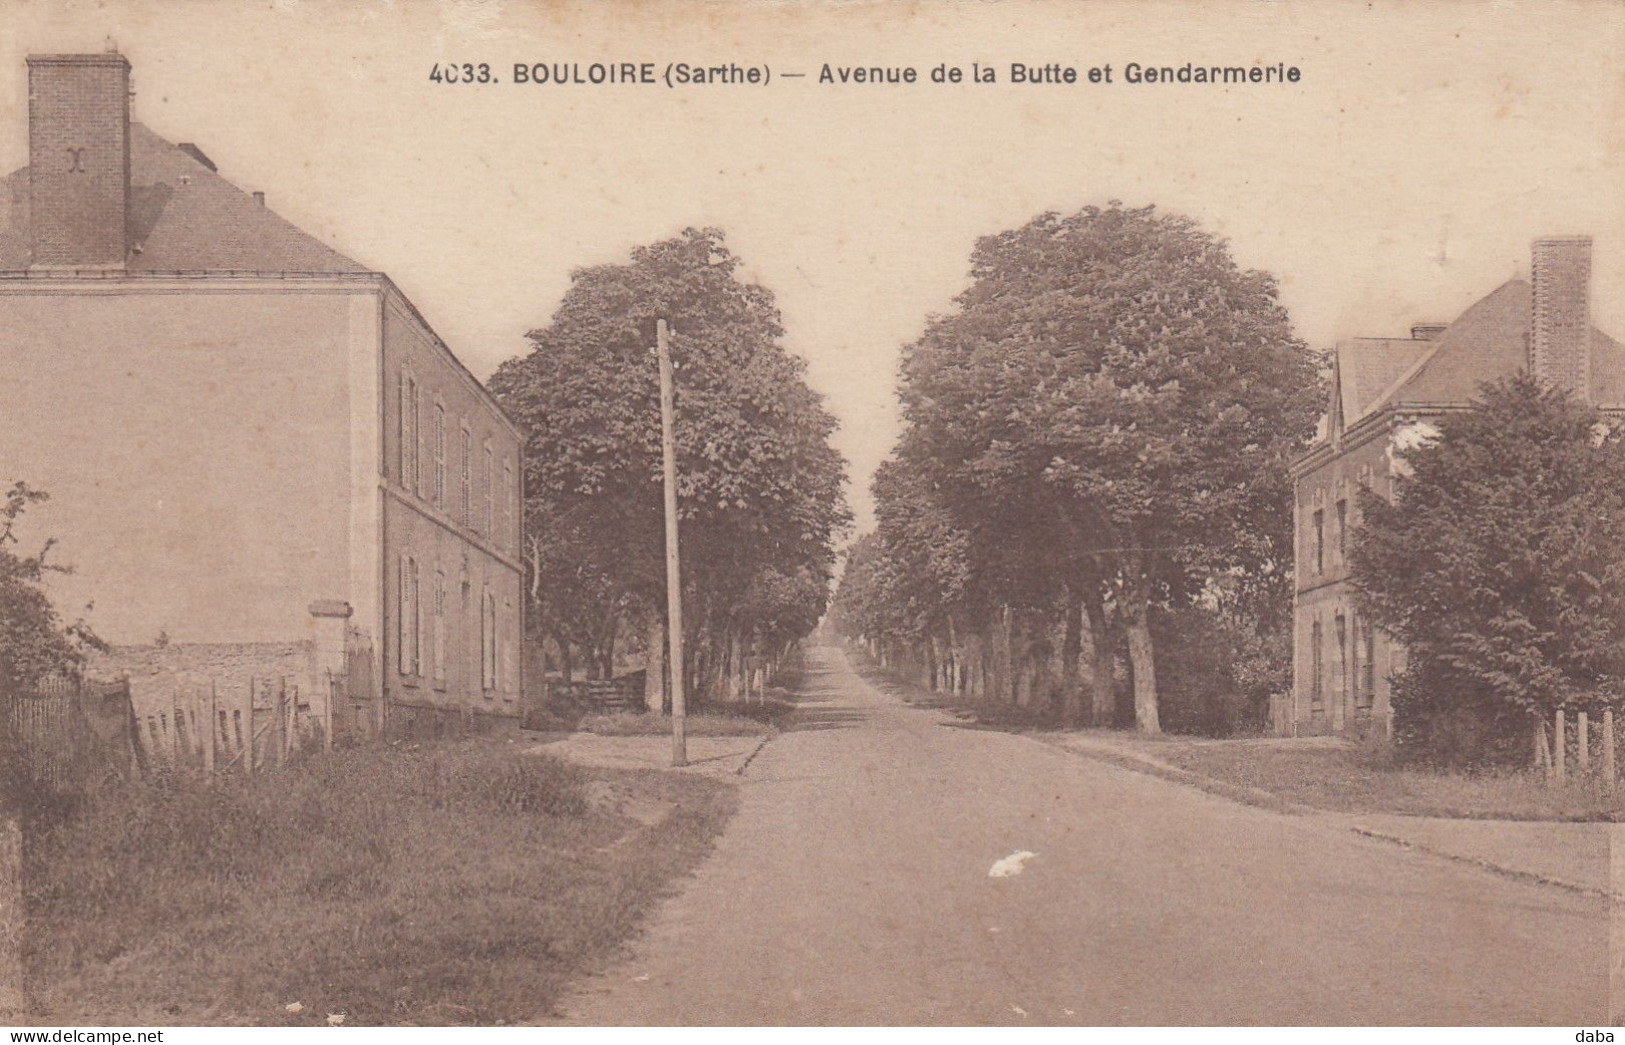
(1560, 319)
(78, 159)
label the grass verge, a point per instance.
(739, 720)
(1352, 779)
(1314, 773)
(464, 883)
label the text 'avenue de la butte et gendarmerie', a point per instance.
(943, 74)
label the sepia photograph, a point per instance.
(836, 513)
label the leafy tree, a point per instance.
(1109, 411)
(1500, 565)
(759, 488)
(34, 640)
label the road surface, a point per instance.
(853, 888)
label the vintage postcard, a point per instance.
(801, 514)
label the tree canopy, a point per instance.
(1106, 418)
(1499, 566)
(760, 488)
(34, 639)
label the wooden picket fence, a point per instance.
(74, 737)
(69, 736)
(261, 725)
(604, 695)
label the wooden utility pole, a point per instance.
(674, 587)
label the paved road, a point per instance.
(853, 888)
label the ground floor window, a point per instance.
(1368, 667)
(440, 625)
(1316, 665)
(407, 616)
(1345, 677)
(488, 642)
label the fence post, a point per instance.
(12, 918)
(1608, 769)
(279, 734)
(213, 733)
(1560, 745)
(248, 729)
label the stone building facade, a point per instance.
(1386, 393)
(249, 440)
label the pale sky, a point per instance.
(1402, 178)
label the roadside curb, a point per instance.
(1261, 799)
(1488, 865)
(1252, 796)
(757, 750)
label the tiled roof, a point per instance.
(1488, 341)
(1368, 367)
(184, 217)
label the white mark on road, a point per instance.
(1010, 865)
(1018, 1010)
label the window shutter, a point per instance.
(400, 615)
(401, 429)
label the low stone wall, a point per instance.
(158, 674)
(413, 722)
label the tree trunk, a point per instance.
(1102, 678)
(1141, 658)
(654, 681)
(566, 662)
(1003, 690)
(1071, 655)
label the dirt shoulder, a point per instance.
(456, 883)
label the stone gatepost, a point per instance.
(330, 622)
(12, 918)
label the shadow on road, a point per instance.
(822, 698)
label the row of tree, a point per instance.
(1092, 478)
(760, 488)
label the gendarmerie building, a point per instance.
(1386, 392)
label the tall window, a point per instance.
(488, 642)
(488, 479)
(1316, 666)
(1320, 540)
(1345, 678)
(408, 617)
(440, 625)
(468, 463)
(509, 535)
(409, 434)
(1342, 531)
(1368, 666)
(439, 455)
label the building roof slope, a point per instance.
(1490, 340)
(184, 217)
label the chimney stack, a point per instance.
(78, 160)
(1560, 319)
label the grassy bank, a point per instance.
(735, 720)
(1319, 773)
(1350, 779)
(458, 883)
